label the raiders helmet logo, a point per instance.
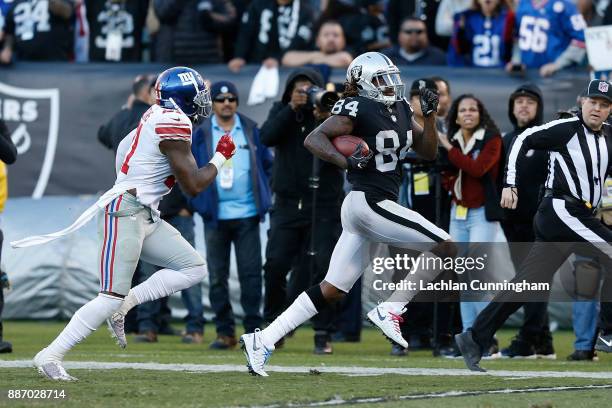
(356, 72)
(422, 84)
(603, 87)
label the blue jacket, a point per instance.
(207, 202)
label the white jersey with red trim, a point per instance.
(139, 161)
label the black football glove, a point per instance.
(429, 101)
(357, 160)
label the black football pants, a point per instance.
(559, 226)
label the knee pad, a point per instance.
(196, 274)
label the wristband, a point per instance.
(218, 160)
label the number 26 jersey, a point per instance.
(388, 133)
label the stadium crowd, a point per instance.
(316, 36)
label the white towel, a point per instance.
(265, 85)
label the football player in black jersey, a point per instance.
(374, 109)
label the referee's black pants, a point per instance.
(535, 322)
(559, 227)
(286, 250)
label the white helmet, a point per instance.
(376, 77)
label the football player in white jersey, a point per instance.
(149, 161)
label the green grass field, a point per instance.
(161, 388)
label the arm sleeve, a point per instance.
(478, 167)
(546, 137)
(8, 150)
(280, 122)
(172, 126)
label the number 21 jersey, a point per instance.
(388, 133)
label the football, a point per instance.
(347, 144)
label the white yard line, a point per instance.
(448, 394)
(352, 371)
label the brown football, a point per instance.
(347, 144)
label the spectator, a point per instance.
(474, 146)
(124, 121)
(291, 223)
(232, 210)
(445, 18)
(115, 29)
(414, 48)
(189, 31)
(482, 35)
(363, 23)
(39, 31)
(8, 155)
(525, 110)
(550, 36)
(269, 29)
(424, 10)
(5, 5)
(584, 313)
(330, 49)
(592, 14)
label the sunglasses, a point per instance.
(413, 31)
(222, 99)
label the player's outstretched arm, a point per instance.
(192, 179)
(425, 139)
(317, 142)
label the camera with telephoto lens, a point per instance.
(321, 98)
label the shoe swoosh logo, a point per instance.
(607, 343)
(379, 315)
(255, 348)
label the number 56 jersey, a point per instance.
(139, 161)
(388, 133)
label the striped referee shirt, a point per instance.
(577, 161)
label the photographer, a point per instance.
(291, 220)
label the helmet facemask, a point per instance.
(388, 86)
(203, 103)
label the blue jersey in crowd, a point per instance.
(546, 28)
(481, 41)
(4, 8)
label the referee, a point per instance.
(579, 150)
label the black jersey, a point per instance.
(39, 34)
(388, 133)
(125, 17)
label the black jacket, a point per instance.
(285, 130)
(187, 34)
(533, 162)
(124, 121)
(256, 42)
(8, 151)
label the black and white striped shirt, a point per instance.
(578, 157)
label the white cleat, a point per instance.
(116, 327)
(256, 353)
(388, 322)
(51, 369)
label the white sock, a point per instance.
(161, 284)
(301, 309)
(428, 270)
(84, 322)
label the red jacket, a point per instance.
(482, 160)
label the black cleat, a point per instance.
(604, 343)
(470, 350)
